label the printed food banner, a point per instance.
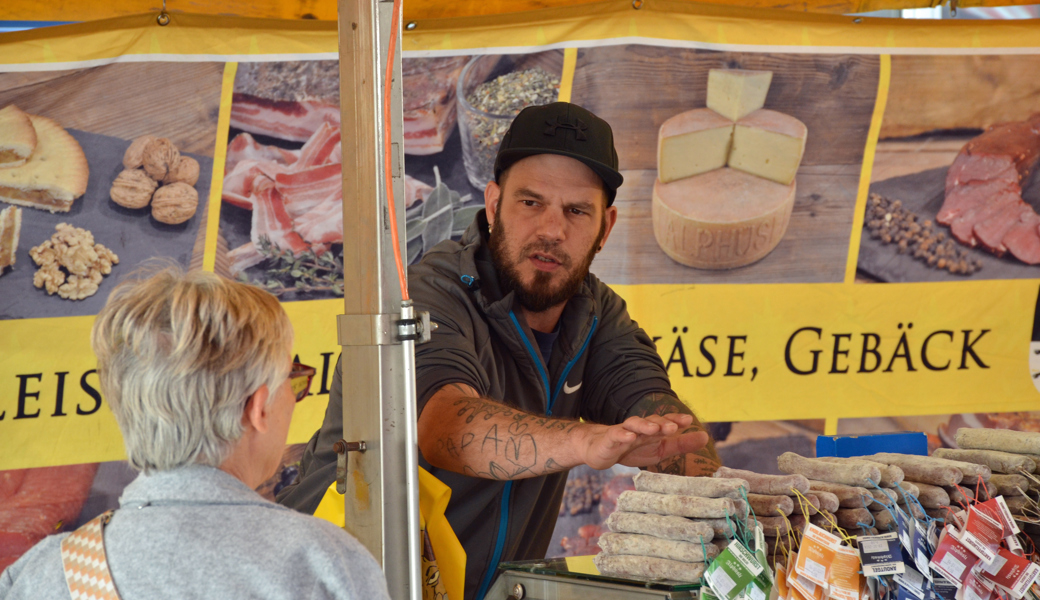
(827, 223)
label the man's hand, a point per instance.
(640, 441)
(702, 461)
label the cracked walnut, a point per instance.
(71, 264)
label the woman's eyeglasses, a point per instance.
(300, 380)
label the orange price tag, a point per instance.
(844, 578)
(816, 554)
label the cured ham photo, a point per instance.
(291, 195)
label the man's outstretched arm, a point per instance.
(463, 432)
(701, 462)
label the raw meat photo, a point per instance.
(954, 191)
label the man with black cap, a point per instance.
(529, 342)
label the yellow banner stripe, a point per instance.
(884, 78)
(570, 60)
(216, 186)
(716, 24)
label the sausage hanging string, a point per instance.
(907, 497)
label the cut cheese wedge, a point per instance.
(722, 219)
(17, 137)
(691, 143)
(734, 93)
(53, 177)
(768, 144)
(10, 230)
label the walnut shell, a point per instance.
(133, 188)
(186, 170)
(159, 155)
(175, 203)
(134, 155)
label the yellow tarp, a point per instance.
(414, 10)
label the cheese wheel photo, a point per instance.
(722, 219)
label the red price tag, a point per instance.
(1011, 572)
(982, 534)
(952, 558)
(976, 589)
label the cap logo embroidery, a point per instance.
(578, 127)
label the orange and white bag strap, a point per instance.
(86, 565)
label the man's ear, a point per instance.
(492, 197)
(256, 414)
(611, 219)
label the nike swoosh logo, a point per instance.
(570, 390)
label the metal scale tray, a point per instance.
(576, 579)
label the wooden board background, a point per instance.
(635, 88)
(929, 93)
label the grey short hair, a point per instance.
(178, 356)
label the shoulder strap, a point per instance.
(86, 564)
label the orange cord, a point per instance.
(395, 240)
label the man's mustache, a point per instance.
(545, 248)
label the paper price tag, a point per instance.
(922, 554)
(816, 554)
(731, 571)
(912, 581)
(904, 529)
(904, 594)
(952, 559)
(1001, 510)
(1011, 572)
(944, 588)
(844, 579)
(982, 534)
(933, 537)
(880, 554)
(1015, 546)
(800, 587)
(976, 589)
(781, 583)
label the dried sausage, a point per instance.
(1002, 440)
(890, 475)
(848, 496)
(706, 487)
(648, 567)
(856, 474)
(662, 526)
(770, 485)
(998, 462)
(645, 545)
(770, 506)
(921, 468)
(682, 506)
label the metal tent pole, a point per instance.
(380, 485)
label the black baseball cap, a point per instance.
(565, 129)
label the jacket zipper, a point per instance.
(503, 520)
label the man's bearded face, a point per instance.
(538, 289)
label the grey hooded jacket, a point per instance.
(601, 364)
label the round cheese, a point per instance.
(721, 219)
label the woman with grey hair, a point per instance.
(198, 373)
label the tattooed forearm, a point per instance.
(484, 438)
(703, 462)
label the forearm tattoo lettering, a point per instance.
(502, 440)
